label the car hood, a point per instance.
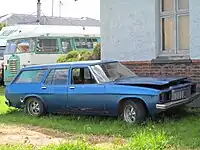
(150, 81)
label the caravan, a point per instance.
(45, 44)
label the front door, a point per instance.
(85, 96)
(55, 90)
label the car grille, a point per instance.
(181, 93)
(13, 66)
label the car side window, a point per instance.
(30, 76)
(57, 77)
(82, 76)
(49, 78)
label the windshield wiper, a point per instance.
(119, 77)
(122, 77)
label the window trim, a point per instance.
(176, 51)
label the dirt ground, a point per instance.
(41, 137)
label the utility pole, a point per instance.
(38, 11)
(60, 4)
(52, 7)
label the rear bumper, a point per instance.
(18, 105)
(177, 103)
(7, 102)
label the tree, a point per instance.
(2, 25)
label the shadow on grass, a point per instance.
(177, 114)
(173, 115)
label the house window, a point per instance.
(174, 25)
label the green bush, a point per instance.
(97, 52)
(2, 25)
(71, 56)
(76, 55)
(81, 55)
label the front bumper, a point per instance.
(177, 103)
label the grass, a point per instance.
(180, 131)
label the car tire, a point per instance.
(34, 107)
(133, 112)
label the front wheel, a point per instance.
(34, 107)
(134, 112)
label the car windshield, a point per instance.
(107, 72)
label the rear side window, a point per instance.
(31, 76)
(57, 77)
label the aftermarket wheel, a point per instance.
(134, 112)
(34, 107)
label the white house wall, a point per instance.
(194, 29)
(128, 29)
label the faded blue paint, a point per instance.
(101, 99)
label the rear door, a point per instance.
(85, 95)
(55, 90)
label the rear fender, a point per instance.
(23, 100)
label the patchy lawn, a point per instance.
(180, 131)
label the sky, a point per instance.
(70, 8)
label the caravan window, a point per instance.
(10, 47)
(85, 43)
(66, 47)
(19, 46)
(23, 46)
(47, 45)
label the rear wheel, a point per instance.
(134, 112)
(34, 107)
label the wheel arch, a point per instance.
(134, 99)
(34, 96)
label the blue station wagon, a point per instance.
(96, 88)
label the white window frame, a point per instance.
(176, 13)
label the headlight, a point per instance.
(194, 89)
(164, 97)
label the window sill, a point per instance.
(171, 60)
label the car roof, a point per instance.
(68, 64)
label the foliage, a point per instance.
(79, 145)
(97, 52)
(76, 55)
(81, 55)
(2, 25)
(148, 139)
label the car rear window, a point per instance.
(31, 76)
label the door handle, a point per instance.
(72, 87)
(44, 87)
